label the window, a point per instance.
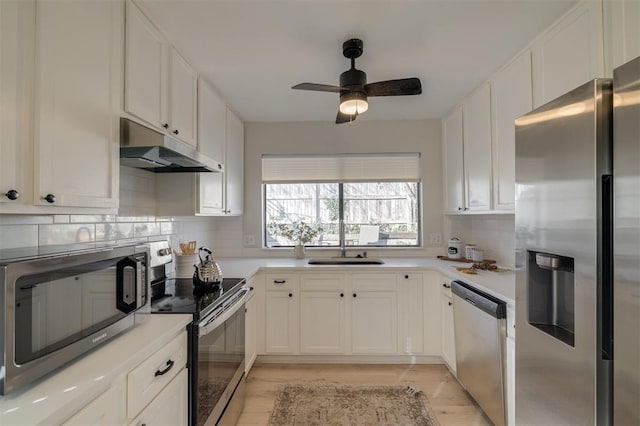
(378, 213)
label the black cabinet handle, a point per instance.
(290, 294)
(406, 277)
(445, 285)
(459, 208)
(219, 166)
(12, 194)
(450, 303)
(250, 288)
(166, 370)
(279, 281)
(50, 198)
(175, 132)
(354, 295)
(341, 294)
(165, 125)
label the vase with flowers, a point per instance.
(299, 233)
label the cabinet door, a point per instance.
(322, 313)
(411, 313)
(511, 381)
(251, 322)
(448, 340)
(78, 94)
(453, 159)
(622, 32)
(16, 75)
(170, 407)
(234, 164)
(145, 81)
(477, 149)
(431, 313)
(212, 113)
(104, 411)
(569, 54)
(183, 100)
(281, 322)
(374, 322)
(511, 97)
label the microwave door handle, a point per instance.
(207, 325)
(138, 285)
(125, 302)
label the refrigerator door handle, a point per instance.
(606, 285)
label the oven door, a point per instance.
(220, 362)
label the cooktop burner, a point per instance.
(181, 297)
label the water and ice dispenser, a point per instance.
(551, 295)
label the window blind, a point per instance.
(392, 167)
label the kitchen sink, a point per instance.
(346, 261)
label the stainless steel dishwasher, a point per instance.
(480, 331)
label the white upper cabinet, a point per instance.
(477, 149)
(212, 113)
(183, 100)
(160, 86)
(17, 32)
(144, 65)
(453, 158)
(569, 54)
(622, 32)
(511, 97)
(78, 97)
(234, 165)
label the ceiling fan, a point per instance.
(354, 89)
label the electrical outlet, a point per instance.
(435, 239)
(249, 240)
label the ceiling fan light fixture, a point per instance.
(353, 103)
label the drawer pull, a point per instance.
(445, 285)
(166, 370)
(279, 281)
(450, 303)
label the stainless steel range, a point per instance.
(216, 337)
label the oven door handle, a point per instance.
(210, 323)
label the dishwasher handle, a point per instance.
(481, 300)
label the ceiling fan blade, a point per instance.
(318, 87)
(400, 87)
(345, 118)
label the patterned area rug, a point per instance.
(351, 405)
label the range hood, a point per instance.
(144, 148)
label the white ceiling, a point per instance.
(253, 51)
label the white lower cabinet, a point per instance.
(448, 339)
(374, 314)
(352, 313)
(105, 410)
(170, 407)
(322, 314)
(281, 314)
(251, 324)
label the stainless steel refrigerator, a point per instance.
(578, 252)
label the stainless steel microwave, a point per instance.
(55, 308)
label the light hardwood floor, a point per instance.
(451, 404)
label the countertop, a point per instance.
(56, 397)
(498, 284)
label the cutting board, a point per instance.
(465, 260)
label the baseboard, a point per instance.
(348, 359)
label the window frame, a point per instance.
(419, 239)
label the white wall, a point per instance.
(495, 234)
(325, 137)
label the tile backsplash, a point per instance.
(495, 234)
(135, 223)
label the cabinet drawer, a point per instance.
(373, 282)
(322, 282)
(446, 287)
(282, 281)
(149, 378)
(170, 407)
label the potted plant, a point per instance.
(298, 232)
